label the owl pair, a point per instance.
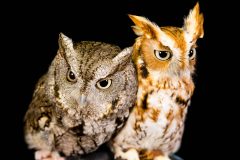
(95, 90)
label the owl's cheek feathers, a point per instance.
(106, 111)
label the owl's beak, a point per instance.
(83, 100)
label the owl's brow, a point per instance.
(111, 73)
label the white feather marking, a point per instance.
(167, 41)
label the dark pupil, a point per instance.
(103, 83)
(71, 75)
(190, 53)
(163, 54)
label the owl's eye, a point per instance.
(104, 84)
(192, 53)
(71, 76)
(162, 55)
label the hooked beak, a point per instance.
(83, 100)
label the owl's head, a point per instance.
(171, 50)
(93, 79)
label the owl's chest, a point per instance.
(87, 136)
(160, 114)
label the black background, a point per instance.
(31, 32)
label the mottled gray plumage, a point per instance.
(83, 98)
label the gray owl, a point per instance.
(82, 100)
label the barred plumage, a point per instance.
(82, 100)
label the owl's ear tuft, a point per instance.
(64, 43)
(123, 57)
(144, 27)
(193, 24)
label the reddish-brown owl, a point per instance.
(165, 59)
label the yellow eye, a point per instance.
(162, 55)
(71, 76)
(104, 84)
(192, 53)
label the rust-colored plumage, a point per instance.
(165, 59)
